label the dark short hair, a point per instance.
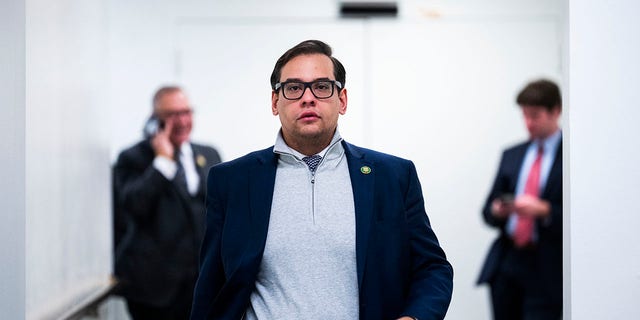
(308, 47)
(541, 92)
(161, 93)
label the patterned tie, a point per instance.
(181, 177)
(524, 227)
(313, 162)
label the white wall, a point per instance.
(68, 211)
(12, 156)
(436, 85)
(603, 175)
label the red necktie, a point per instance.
(524, 227)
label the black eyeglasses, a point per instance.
(177, 113)
(294, 90)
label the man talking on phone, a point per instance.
(159, 211)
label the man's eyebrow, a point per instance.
(300, 80)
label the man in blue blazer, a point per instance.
(314, 227)
(524, 264)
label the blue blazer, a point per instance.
(401, 268)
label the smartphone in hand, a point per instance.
(506, 199)
(152, 126)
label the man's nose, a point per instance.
(528, 122)
(307, 96)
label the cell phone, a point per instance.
(152, 126)
(506, 198)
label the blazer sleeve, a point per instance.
(138, 185)
(431, 274)
(504, 183)
(211, 277)
(552, 227)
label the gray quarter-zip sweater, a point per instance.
(308, 270)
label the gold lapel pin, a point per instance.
(365, 169)
(201, 160)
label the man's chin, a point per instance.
(311, 133)
(178, 141)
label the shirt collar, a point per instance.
(282, 148)
(551, 142)
(185, 149)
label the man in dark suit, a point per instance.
(159, 194)
(524, 265)
(314, 227)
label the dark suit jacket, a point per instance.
(401, 268)
(548, 250)
(159, 226)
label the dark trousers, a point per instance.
(140, 311)
(179, 309)
(517, 293)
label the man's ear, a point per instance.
(274, 103)
(343, 101)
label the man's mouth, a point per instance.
(308, 116)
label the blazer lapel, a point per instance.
(554, 174)
(261, 185)
(200, 162)
(363, 189)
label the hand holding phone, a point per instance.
(152, 127)
(506, 198)
(502, 206)
(159, 134)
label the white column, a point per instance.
(604, 156)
